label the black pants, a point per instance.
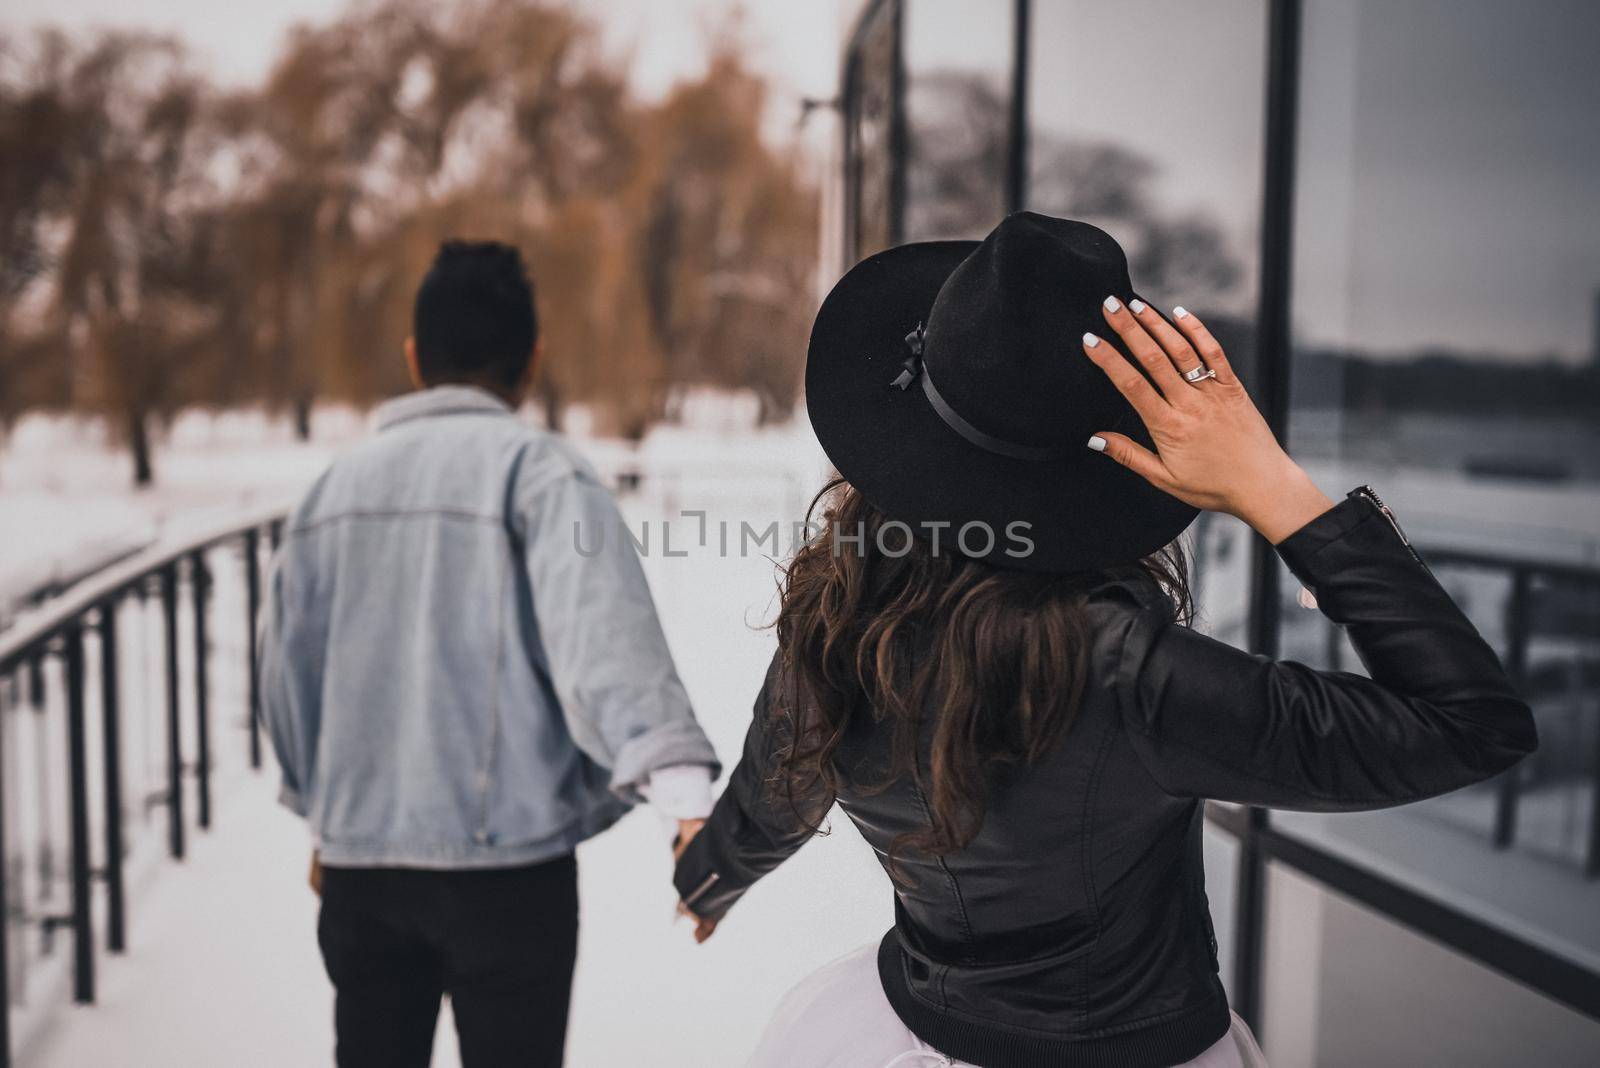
(500, 942)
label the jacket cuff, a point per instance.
(679, 791)
(1326, 529)
(1354, 524)
(708, 878)
(679, 742)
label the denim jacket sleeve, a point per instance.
(608, 659)
(1437, 713)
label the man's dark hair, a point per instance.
(474, 319)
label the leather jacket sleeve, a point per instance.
(753, 828)
(1210, 721)
(1437, 713)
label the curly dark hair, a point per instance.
(995, 659)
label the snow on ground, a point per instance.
(222, 966)
(67, 495)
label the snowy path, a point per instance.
(222, 966)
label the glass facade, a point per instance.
(1446, 318)
(1443, 303)
(958, 73)
(1120, 152)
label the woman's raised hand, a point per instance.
(1213, 448)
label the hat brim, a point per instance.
(1083, 511)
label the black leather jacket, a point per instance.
(1074, 929)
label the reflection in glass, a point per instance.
(1163, 152)
(1165, 155)
(958, 88)
(1447, 349)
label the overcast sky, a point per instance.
(1450, 149)
(795, 42)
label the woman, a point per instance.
(984, 660)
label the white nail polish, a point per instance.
(1090, 340)
(1136, 306)
(1113, 304)
(1180, 312)
(1097, 443)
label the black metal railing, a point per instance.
(1531, 585)
(1544, 618)
(52, 643)
(1549, 604)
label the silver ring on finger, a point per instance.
(1198, 374)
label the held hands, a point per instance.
(687, 829)
(1213, 448)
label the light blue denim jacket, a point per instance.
(448, 681)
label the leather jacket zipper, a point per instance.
(1377, 502)
(700, 891)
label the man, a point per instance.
(458, 695)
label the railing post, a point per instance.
(37, 701)
(169, 611)
(5, 897)
(1591, 863)
(78, 787)
(1509, 787)
(111, 739)
(199, 581)
(252, 585)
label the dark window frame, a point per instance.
(870, 21)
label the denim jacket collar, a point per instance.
(439, 400)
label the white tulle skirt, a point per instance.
(838, 1017)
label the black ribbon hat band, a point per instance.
(913, 369)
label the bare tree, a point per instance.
(108, 216)
(171, 245)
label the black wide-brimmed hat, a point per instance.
(946, 381)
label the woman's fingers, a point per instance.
(1129, 382)
(1176, 345)
(1144, 348)
(1135, 457)
(1205, 345)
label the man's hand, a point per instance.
(687, 829)
(315, 876)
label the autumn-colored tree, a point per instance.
(172, 245)
(726, 239)
(390, 130)
(112, 210)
